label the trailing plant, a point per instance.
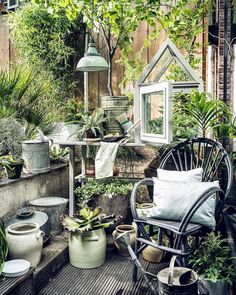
(212, 259)
(88, 220)
(50, 45)
(3, 245)
(109, 187)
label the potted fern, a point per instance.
(87, 241)
(213, 264)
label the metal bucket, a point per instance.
(177, 280)
(114, 106)
(36, 156)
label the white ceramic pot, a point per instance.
(25, 241)
(87, 250)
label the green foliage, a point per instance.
(58, 155)
(109, 187)
(11, 136)
(212, 259)
(88, 220)
(72, 110)
(116, 19)
(183, 125)
(3, 245)
(8, 160)
(205, 112)
(21, 98)
(50, 45)
(91, 125)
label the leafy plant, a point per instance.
(21, 98)
(205, 112)
(8, 160)
(58, 155)
(72, 110)
(50, 45)
(212, 259)
(109, 187)
(91, 125)
(88, 220)
(3, 245)
(11, 136)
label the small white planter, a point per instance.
(25, 241)
(87, 250)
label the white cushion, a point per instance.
(173, 199)
(190, 175)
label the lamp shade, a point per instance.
(92, 60)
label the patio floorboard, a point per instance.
(112, 278)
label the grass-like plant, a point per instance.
(3, 245)
(88, 220)
(212, 259)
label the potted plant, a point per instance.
(91, 126)
(87, 241)
(110, 194)
(213, 264)
(13, 166)
(3, 245)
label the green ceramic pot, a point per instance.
(87, 250)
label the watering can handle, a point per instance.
(171, 270)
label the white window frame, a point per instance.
(168, 133)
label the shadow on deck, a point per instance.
(112, 278)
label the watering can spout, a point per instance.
(124, 239)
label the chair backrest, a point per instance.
(205, 153)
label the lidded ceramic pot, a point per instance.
(25, 241)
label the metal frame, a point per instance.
(200, 152)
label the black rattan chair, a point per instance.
(190, 154)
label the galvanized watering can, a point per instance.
(177, 280)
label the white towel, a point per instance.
(105, 159)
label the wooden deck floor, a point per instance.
(112, 278)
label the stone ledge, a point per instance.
(24, 176)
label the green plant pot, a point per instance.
(15, 171)
(87, 250)
(215, 288)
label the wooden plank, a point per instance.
(4, 45)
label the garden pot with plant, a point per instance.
(87, 241)
(13, 166)
(213, 264)
(3, 245)
(110, 194)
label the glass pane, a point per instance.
(154, 112)
(166, 56)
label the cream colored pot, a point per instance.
(25, 241)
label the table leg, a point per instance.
(71, 180)
(83, 160)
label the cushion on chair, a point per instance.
(173, 199)
(190, 175)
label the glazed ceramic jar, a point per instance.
(29, 240)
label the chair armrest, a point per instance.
(145, 181)
(197, 204)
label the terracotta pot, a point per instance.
(152, 254)
(122, 250)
